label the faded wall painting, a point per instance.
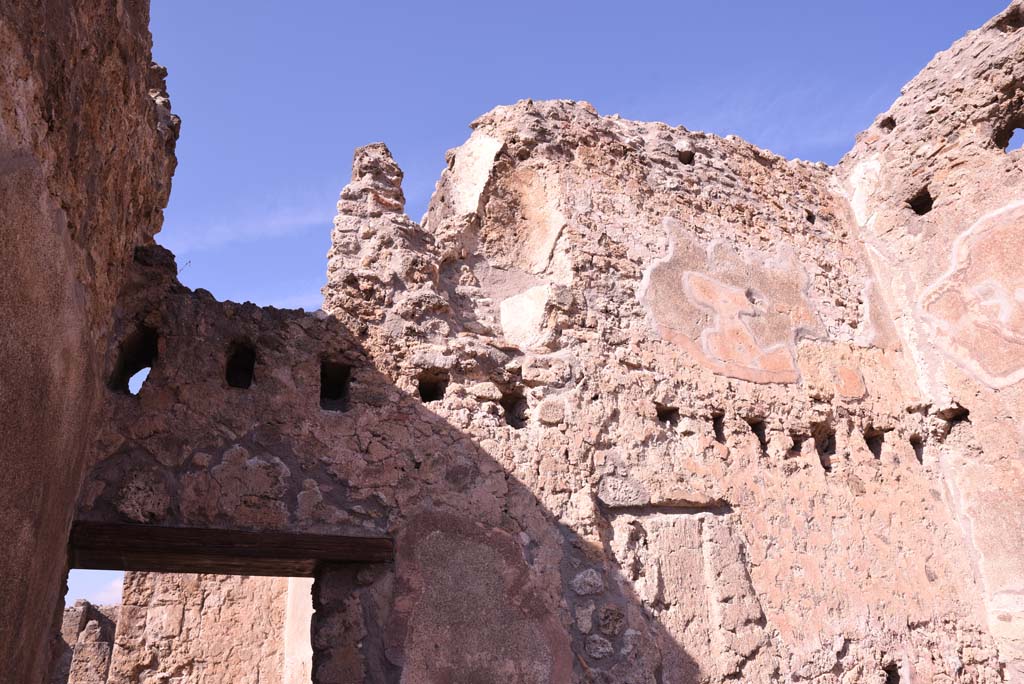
(737, 314)
(975, 310)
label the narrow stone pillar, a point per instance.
(74, 621)
(350, 605)
(91, 661)
(298, 616)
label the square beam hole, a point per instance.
(825, 444)
(667, 415)
(874, 440)
(718, 426)
(335, 379)
(431, 384)
(514, 408)
(241, 365)
(760, 430)
(917, 444)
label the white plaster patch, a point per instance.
(544, 222)
(974, 311)
(864, 181)
(522, 316)
(473, 163)
(1006, 615)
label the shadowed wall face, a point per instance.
(75, 79)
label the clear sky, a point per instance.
(274, 97)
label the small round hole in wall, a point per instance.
(136, 356)
(922, 202)
(1015, 141)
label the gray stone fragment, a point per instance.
(588, 582)
(599, 647)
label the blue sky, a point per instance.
(275, 96)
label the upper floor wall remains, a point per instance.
(632, 401)
(937, 197)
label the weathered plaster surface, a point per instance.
(954, 284)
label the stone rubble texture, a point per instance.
(213, 629)
(173, 628)
(85, 644)
(637, 404)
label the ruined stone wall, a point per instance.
(191, 628)
(636, 404)
(85, 643)
(86, 156)
(939, 203)
(200, 628)
(677, 346)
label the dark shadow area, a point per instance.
(514, 408)
(431, 384)
(874, 439)
(760, 430)
(718, 426)
(917, 444)
(1011, 20)
(798, 443)
(952, 417)
(667, 415)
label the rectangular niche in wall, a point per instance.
(241, 365)
(335, 379)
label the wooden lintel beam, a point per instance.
(151, 548)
